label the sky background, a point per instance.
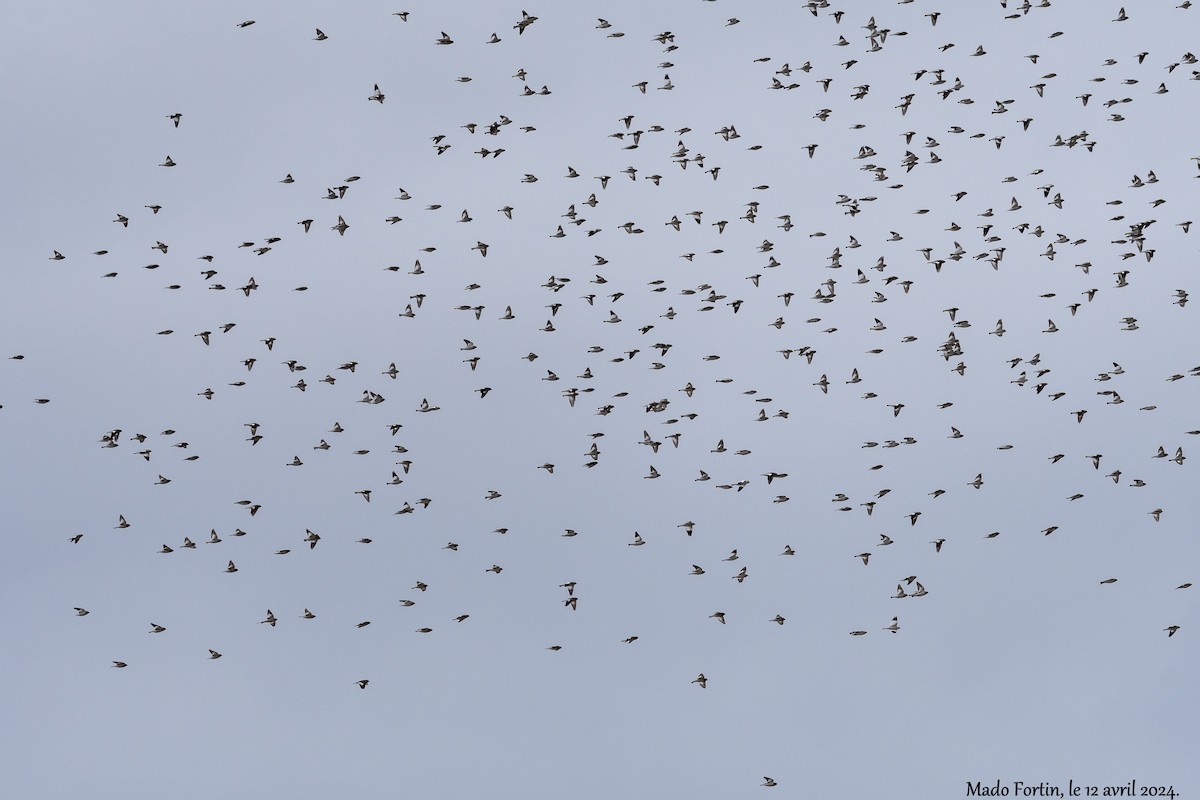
(1017, 665)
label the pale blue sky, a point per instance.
(1018, 664)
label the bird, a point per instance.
(525, 21)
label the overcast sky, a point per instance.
(692, 349)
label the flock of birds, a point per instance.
(810, 257)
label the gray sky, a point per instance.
(1018, 663)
